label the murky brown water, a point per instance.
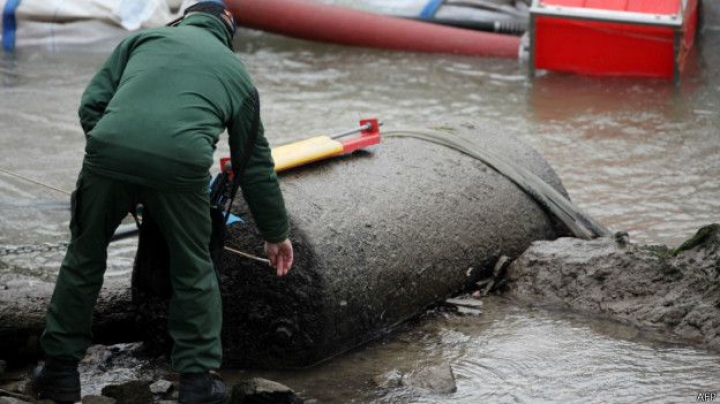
(638, 155)
(513, 354)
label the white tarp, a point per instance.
(87, 25)
(130, 14)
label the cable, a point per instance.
(8, 172)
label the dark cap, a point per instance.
(217, 9)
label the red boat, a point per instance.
(648, 38)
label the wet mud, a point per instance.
(125, 374)
(120, 371)
(673, 292)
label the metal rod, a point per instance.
(121, 235)
(8, 172)
(134, 232)
(531, 55)
(354, 131)
(249, 256)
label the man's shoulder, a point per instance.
(233, 66)
(141, 36)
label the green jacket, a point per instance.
(154, 112)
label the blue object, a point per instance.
(9, 24)
(232, 219)
(430, 9)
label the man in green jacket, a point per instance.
(152, 116)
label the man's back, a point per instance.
(178, 88)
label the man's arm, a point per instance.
(103, 85)
(260, 186)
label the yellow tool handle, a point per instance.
(305, 151)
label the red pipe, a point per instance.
(327, 23)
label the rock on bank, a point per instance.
(675, 292)
(23, 303)
(378, 238)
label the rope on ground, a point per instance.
(30, 180)
(580, 224)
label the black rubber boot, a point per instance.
(57, 380)
(202, 388)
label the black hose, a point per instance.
(511, 28)
(122, 234)
(579, 223)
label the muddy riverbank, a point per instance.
(673, 292)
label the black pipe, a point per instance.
(122, 234)
(513, 28)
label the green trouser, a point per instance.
(195, 318)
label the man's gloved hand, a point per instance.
(280, 255)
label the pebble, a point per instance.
(161, 387)
(437, 379)
(96, 355)
(389, 380)
(258, 390)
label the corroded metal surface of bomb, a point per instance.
(379, 237)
